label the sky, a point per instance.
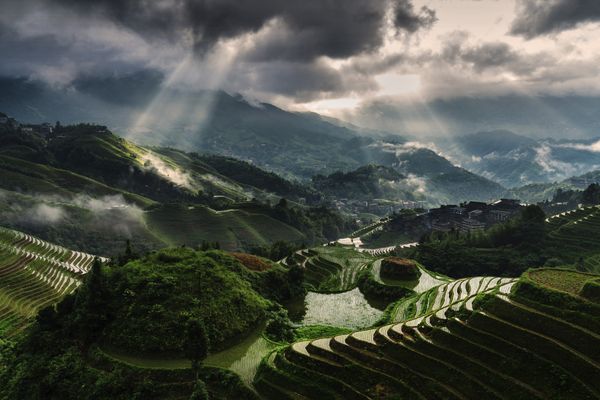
(344, 58)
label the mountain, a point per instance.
(501, 141)
(534, 193)
(365, 183)
(84, 187)
(417, 176)
(537, 116)
(515, 160)
(204, 121)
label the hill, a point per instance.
(500, 141)
(448, 348)
(444, 182)
(158, 305)
(365, 183)
(545, 191)
(35, 274)
(89, 189)
(233, 229)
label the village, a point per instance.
(467, 217)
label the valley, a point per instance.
(148, 269)
(353, 329)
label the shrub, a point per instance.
(370, 287)
(591, 290)
(252, 262)
(399, 268)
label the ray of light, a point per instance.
(185, 102)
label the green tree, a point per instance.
(591, 195)
(128, 251)
(200, 392)
(197, 343)
(91, 304)
(282, 203)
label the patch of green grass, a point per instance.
(308, 332)
(559, 279)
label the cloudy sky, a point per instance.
(337, 57)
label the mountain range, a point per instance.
(300, 146)
(515, 160)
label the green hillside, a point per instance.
(24, 176)
(477, 338)
(130, 330)
(96, 190)
(34, 274)
(233, 229)
(573, 238)
(469, 338)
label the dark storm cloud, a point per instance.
(300, 80)
(458, 52)
(334, 28)
(405, 17)
(540, 17)
(44, 56)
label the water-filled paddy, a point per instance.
(244, 357)
(348, 309)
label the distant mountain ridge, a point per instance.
(515, 160)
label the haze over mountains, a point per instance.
(216, 122)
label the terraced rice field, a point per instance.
(450, 294)
(369, 229)
(507, 347)
(34, 274)
(330, 268)
(575, 234)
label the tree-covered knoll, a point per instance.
(154, 297)
(174, 303)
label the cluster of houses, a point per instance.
(45, 129)
(376, 206)
(473, 216)
(470, 217)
